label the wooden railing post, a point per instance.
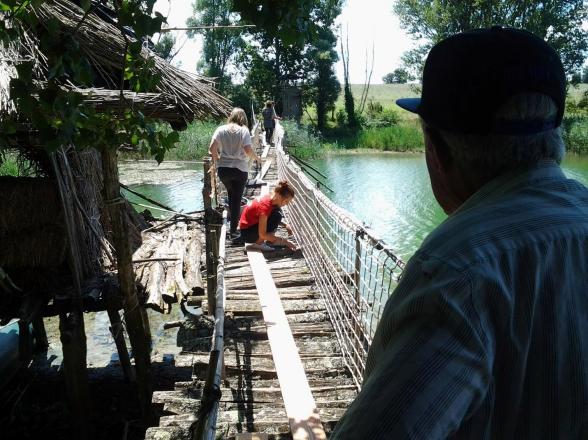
(210, 235)
(136, 320)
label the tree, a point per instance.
(293, 43)
(559, 22)
(164, 47)
(220, 45)
(352, 121)
(585, 74)
(398, 76)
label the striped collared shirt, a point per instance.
(486, 335)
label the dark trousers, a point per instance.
(269, 131)
(234, 180)
(251, 234)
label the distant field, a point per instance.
(385, 94)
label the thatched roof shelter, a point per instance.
(178, 98)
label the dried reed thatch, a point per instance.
(31, 230)
(104, 46)
(180, 97)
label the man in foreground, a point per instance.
(486, 335)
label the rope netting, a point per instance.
(355, 271)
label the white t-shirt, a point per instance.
(232, 139)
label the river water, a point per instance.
(391, 193)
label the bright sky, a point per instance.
(374, 24)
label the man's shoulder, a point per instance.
(518, 219)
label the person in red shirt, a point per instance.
(262, 216)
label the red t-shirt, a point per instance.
(254, 209)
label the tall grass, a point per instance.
(302, 141)
(193, 143)
(403, 137)
(10, 165)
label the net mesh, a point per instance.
(355, 271)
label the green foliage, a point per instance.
(575, 123)
(341, 118)
(352, 121)
(61, 116)
(406, 137)
(192, 144)
(323, 87)
(559, 22)
(292, 43)
(378, 116)
(291, 22)
(164, 46)
(302, 141)
(398, 76)
(8, 164)
(221, 46)
(261, 79)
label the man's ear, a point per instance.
(439, 148)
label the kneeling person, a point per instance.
(262, 216)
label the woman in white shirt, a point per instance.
(230, 146)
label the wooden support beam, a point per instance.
(136, 320)
(40, 335)
(209, 232)
(300, 407)
(117, 331)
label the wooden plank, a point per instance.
(266, 149)
(300, 406)
(264, 169)
(251, 436)
(240, 307)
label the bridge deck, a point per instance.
(252, 398)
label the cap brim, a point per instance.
(410, 104)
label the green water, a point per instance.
(177, 185)
(391, 193)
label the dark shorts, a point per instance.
(251, 234)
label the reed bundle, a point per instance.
(31, 224)
(104, 45)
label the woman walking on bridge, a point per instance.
(229, 147)
(262, 216)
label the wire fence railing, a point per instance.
(355, 271)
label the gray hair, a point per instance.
(492, 154)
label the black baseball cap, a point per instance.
(469, 76)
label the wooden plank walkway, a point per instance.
(252, 400)
(299, 403)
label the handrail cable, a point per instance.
(354, 269)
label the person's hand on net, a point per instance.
(289, 229)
